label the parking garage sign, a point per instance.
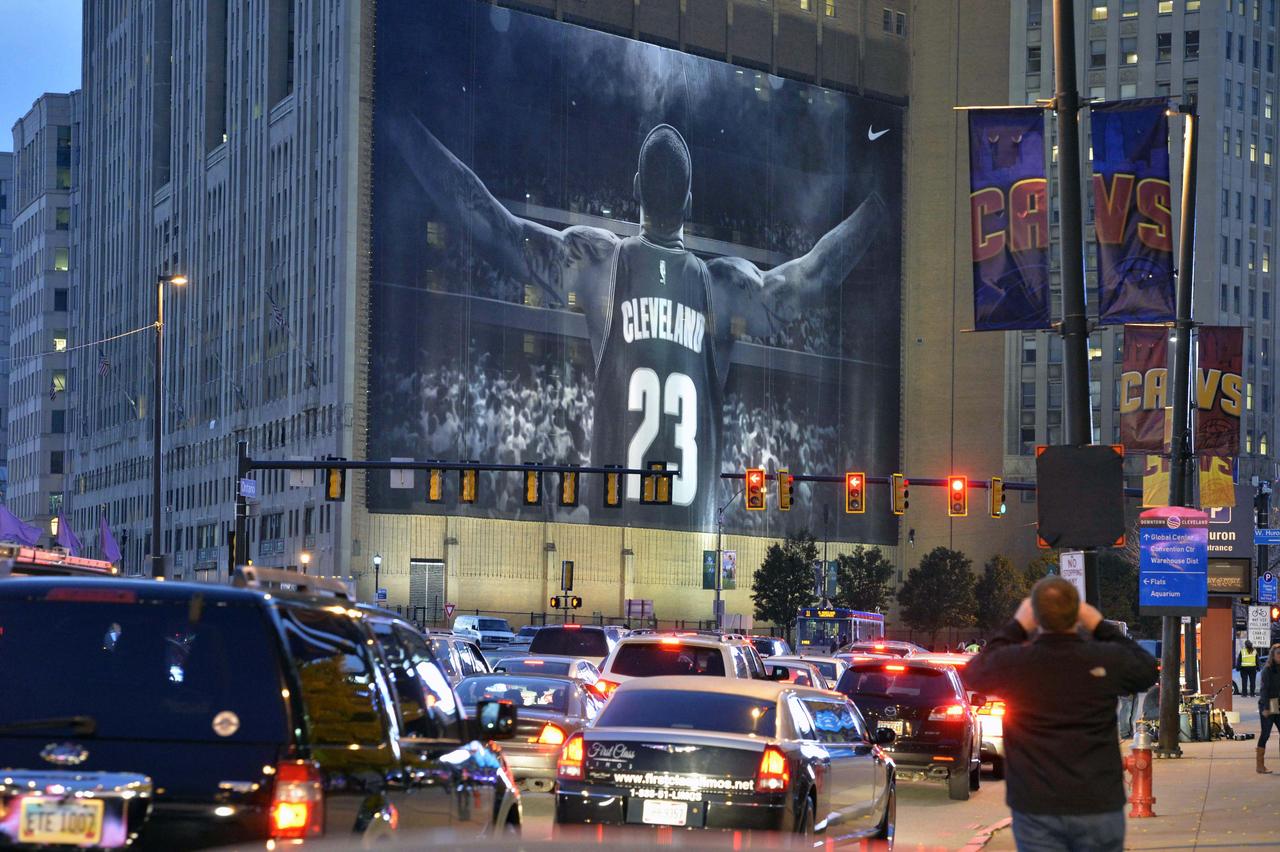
(1174, 566)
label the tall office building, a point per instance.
(6, 291)
(40, 320)
(1219, 55)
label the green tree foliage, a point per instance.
(1042, 566)
(862, 579)
(999, 591)
(939, 593)
(783, 583)
(1118, 593)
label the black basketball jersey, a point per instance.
(658, 391)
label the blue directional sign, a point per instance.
(1174, 562)
(1267, 588)
(1266, 536)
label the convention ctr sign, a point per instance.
(1174, 562)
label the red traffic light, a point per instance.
(957, 496)
(754, 479)
(855, 488)
(1275, 613)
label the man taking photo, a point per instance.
(1062, 668)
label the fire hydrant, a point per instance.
(1138, 765)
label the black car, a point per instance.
(727, 753)
(938, 733)
(202, 715)
(770, 646)
(575, 640)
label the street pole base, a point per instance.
(1177, 752)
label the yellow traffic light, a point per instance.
(784, 490)
(532, 488)
(855, 492)
(435, 485)
(569, 488)
(612, 489)
(754, 497)
(335, 484)
(468, 485)
(957, 496)
(901, 495)
(995, 496)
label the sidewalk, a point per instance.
(1210, 798)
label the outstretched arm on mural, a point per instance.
(767, 298)
(524, 249)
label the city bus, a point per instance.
(818, 628)
(20, 561)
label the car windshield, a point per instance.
(827, 668)
(667, 657)
(154, 669)
(495, 625)
(536, 667)
(536, 693)
(570, 642)
(692, 710)
(897, 682)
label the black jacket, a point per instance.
(1270, 686)
(1062, 755)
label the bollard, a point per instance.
(1138, 765)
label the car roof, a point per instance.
(20, 587)
(698, 640)
(763, 690)
(804, 658)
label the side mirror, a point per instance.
(494, 720)
(977, 699)
(884, 736)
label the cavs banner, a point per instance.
(1133, 216)
(1009, 217)
(1219, 391)
(1144, 388)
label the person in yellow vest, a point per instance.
(1247, 665)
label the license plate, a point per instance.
(664, 813)
(895, 725)
(76, 821)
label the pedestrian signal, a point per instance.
(957, 496)
(435, 485)
(569, 488)
(855, 493)
(532, 488)
(995, 495)
(900, 494)
(335, 484)
(612, 489)
(468, 485)
(754, 499)
(784, 490)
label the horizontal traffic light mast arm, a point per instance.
(838, 479)
(350, 464)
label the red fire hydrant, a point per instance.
(1138, 765)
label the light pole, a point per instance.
(377, 572)
(305, 559)
(719, 604)
(157, 423)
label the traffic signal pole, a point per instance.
(718, 606)
(1078, 414)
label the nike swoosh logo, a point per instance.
(873, 135)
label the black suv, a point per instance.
(575, 640)
(938, 735)
(202, 715)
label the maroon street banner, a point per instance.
(1144, 390)
(1220, 391)
(1009, 219)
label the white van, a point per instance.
(489, 632)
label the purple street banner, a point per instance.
(1144, 390)
(1133, 211)
(1220, 390)
(1009, 218)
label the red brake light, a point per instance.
(605, 687)
(773, 776)
(893, 668)
(879, 647)
(297, 801)
(569, 764)
(572, 626)
(669, 642)
(533, 662)
(993, 708)
(550, 735)
(948, 713)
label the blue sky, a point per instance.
(39, 52)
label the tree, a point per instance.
(862, 579)
(783, 584)
(999, 591)
(1118, 593)
(1042, 566)
(939, 593)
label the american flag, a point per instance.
(277, 313)
(104, 364)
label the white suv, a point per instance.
(488, 632)
(683, 653)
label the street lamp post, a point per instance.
(157, 423)
(377, 573)
(719, 604)
(305, 559)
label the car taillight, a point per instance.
(550, 735)
(569, 764)
(297, 801)
(947, 713)
(606, 687)
(773, 776)
(992, 708)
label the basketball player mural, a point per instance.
(658, 317)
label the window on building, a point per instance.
(1248, 438)
(60, 298)
(1253, 148)
(1226, 142)
(1266, 151)
(1098, 12)
(1034, 11)
(1226, 203)
(886, 20)
(1028, 350)
(61, 259)
(1191, 89)
(59, 341)
(1266, 212)
(1239, 143)
(1164, 47)
(1128, 8)
(59, 382)
(1239, 196)
(1240, 48)
(1235, 294)
(58, 421)
(1230, 41)
(1097, 93)
(1237, 255)
(1128, 90)
(1028, 395)
(1254, 100)
(1253, 209)
(62, 218)
(829, 8)
(1098, 53)
(1240, 96)
(1193, 5)
(1129, 50)
(55, 461)
(1257, 54)
(1165, 7)
(900, 23)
